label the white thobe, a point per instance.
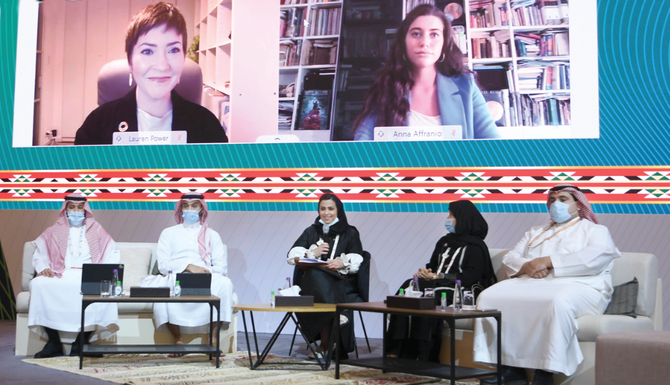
(56, 302)
(539, 328)
(177, 248)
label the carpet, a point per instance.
(194, 369)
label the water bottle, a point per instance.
(414, 285)
(117, 289)
(458, 295)
(177, 289)
(272, 299)
(170, 282)
(443, 302)
(402, 292)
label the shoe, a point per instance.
(343, 320)
(314, 355)
(542, 377)
(510, 376)
(51, 349)
(74, 351)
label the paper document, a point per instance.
(312, 261)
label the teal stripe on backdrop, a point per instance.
(352, 207)
(634, 61)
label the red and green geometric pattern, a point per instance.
(616, 185)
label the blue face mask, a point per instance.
(559, 211)
(191, 216)
(449, 224)
(76, 218)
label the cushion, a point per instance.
(136, 266)
(624, 299)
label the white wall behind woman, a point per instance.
(400, 243)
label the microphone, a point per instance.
(327, 239)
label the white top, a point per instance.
(583, 252)
(178, 247)
(147, 122)
(77, 252)
(418, 119)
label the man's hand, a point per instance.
(47, 273)
(335, 264)
(196, 269)
(536, 268)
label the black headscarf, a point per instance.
(471, 229)
(341, 225)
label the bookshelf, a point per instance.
(309, 40)
(525, 45)
(214, 27)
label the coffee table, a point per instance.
(213, 301)
(431, 369)
(289, 310)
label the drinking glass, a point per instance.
(429, 292)
(105, 288)
(468, 300)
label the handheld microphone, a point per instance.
(326, 237)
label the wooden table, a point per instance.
(213, 301)
(431, 369)
(289, 310)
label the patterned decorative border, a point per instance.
(507, 185)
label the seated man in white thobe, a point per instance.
(55, 294)
(191, 247)
(558, 272)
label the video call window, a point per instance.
(529, 71)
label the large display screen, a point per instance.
(615, 145)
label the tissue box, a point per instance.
(150, 292)
(420, 303)
(301, 300)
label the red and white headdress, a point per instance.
(56, 236)
(585, 210)
(203, 247)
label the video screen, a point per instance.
(304, 71)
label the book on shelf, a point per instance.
(491, 45)
(293, 2)
(548, 43)
(564, 10)
(292, 22)
(460, 38)
(540, 12)
(289, 52)
(324, 21)
(411, 4)
(549, 9)
(321, 52)
(285, 119)
(314, 110)
(545, 110)
(488, 14)
(499, 106)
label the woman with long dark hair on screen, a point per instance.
(156, 52)
(332, 239)
(425, 83)
(460, 254)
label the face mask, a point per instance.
(449, 224)
(75, 218)
(329, 224)
(559, 211)
(191, 216)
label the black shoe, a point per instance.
(542, 377)
(51, 349)
(510, 376)
(75, 346)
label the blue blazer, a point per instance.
(461, 103)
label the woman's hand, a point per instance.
(47, 273)
(324, 248)
(196, 269)
(335, 264)
(296, 259)
(425, 274)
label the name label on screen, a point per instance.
(149, 138)
(416, 133)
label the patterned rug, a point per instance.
(196, 369)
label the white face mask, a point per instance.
(191, 216)
(559, 211)
(75, 218)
